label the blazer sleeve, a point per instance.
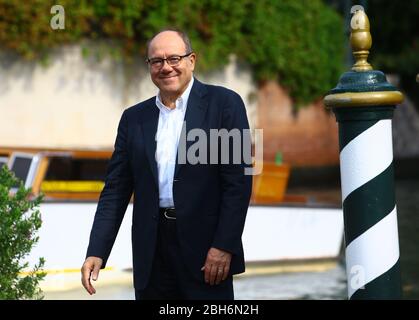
(236, 186)
(114, 198)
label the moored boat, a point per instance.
(280, 228)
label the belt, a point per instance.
(168, 213)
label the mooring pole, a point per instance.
(363, 103)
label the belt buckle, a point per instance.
(168, 217)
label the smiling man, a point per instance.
(188, 219)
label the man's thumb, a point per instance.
(95, 273)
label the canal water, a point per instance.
(328, 284)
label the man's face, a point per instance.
(171, 80)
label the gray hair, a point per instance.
(180, 33)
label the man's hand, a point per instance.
(217, 266)
(91, 267)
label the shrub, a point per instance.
(19, 221)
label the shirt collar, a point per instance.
(181, 102)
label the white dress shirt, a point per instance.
(167, 138)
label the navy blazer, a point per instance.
(211, 200)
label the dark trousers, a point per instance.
(171, 280)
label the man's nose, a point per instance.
(166, 67)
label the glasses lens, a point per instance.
(171, 61)
(174, 60)
(156, 63)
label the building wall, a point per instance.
(77, 102)
(308, 137)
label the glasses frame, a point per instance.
(148, 60)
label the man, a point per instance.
(188, 218)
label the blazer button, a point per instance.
(154, 217)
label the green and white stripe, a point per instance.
(371, 237)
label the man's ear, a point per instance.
(192, 60)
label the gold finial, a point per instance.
(360, 40)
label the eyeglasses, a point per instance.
(172, 61)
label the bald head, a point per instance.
(172, 78)
(170, 35)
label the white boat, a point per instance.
(274, 233)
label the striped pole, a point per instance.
(363, 103)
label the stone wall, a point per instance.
(76, 102)
(308, 137)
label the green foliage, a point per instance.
(19, 221)
(395, 38)
(299, 43)
(395, 41)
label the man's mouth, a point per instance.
(169, 77)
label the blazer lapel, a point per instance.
(149, 126)
(194, 116)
